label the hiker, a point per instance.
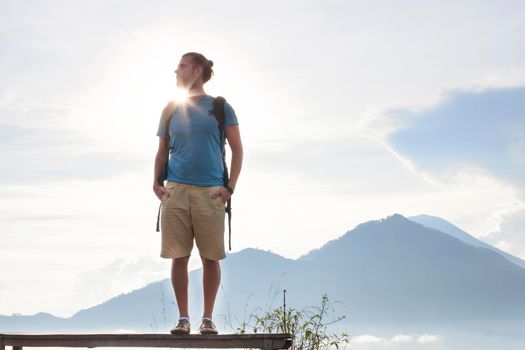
(197, 188)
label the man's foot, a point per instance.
(183, 327)
(208, 327)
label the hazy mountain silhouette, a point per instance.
(449, 228)
(388, 272)
(401, 271)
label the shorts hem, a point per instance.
(174, 256)
(213, 258)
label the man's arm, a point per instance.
(160, 162)
(233, 136)
(162, 156)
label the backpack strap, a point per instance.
(218, 111)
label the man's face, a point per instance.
(186, 73)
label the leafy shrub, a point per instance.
(309, 327)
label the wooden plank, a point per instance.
(268, 344)
(261, 341)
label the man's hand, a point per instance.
(160, 191)
(223, 193)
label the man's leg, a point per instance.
(208, 227)
(179, 280)
(211, 279)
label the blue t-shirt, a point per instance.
(195, 147)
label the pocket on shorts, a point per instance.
(217, 202)
(220, 202)
(170, 187)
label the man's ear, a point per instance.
(197, 71)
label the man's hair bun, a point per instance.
(210, 63)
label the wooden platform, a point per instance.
(221, 341)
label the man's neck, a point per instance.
(196, 91)
(195, 98)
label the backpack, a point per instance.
(218, 111)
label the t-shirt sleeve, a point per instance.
(230, 116)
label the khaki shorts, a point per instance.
(191, 213)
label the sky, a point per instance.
(349, 111)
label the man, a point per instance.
(193, 199)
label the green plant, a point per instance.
(309, 327)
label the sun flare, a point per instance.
(181, 95)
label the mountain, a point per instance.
(388, 272)
(22, 323)
(399, 271)
(446, 227)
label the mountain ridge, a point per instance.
(389, 271)
(451, 229)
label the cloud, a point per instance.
(510, 237)
(32, 155)
(402, 338)
(405, 339)
(120, 276)
(366, 339)
(427, 338)
(480, 133)
(361, 163)
(479, 128)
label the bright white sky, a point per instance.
(331, 97)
